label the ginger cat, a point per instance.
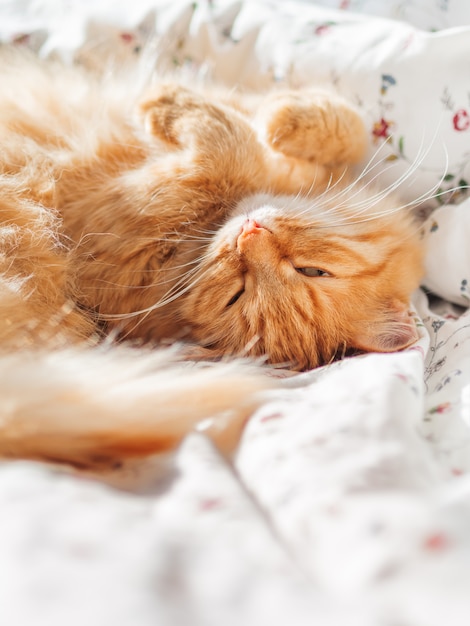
(174, 214)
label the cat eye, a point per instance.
(312, 272)
(234, 298)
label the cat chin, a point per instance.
(251, 203)
(270, 205)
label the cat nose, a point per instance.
(245, 239)
(250, 226)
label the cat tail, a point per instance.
(92, 407)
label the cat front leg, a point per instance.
(182, 117)
(167, 112)
(217, 137)
(313, 125)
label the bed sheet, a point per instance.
(349, 499)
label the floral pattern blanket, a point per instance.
(349, 500)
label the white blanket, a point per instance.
(349, 499)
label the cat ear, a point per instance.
(395, 331)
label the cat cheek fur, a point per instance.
(393, 330)
(270, 319)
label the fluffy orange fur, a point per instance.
(193, 215)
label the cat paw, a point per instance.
(314, 126)
(208, 132)
(162, 113)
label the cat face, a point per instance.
(298, 281)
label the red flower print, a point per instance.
(210, 504)
(22, 39)
(461, 120)
(127, 37)
(271, 416)
(436, 542)
(323, 29)
(380, 128)
(441, 408)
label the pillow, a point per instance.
(448, 253)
